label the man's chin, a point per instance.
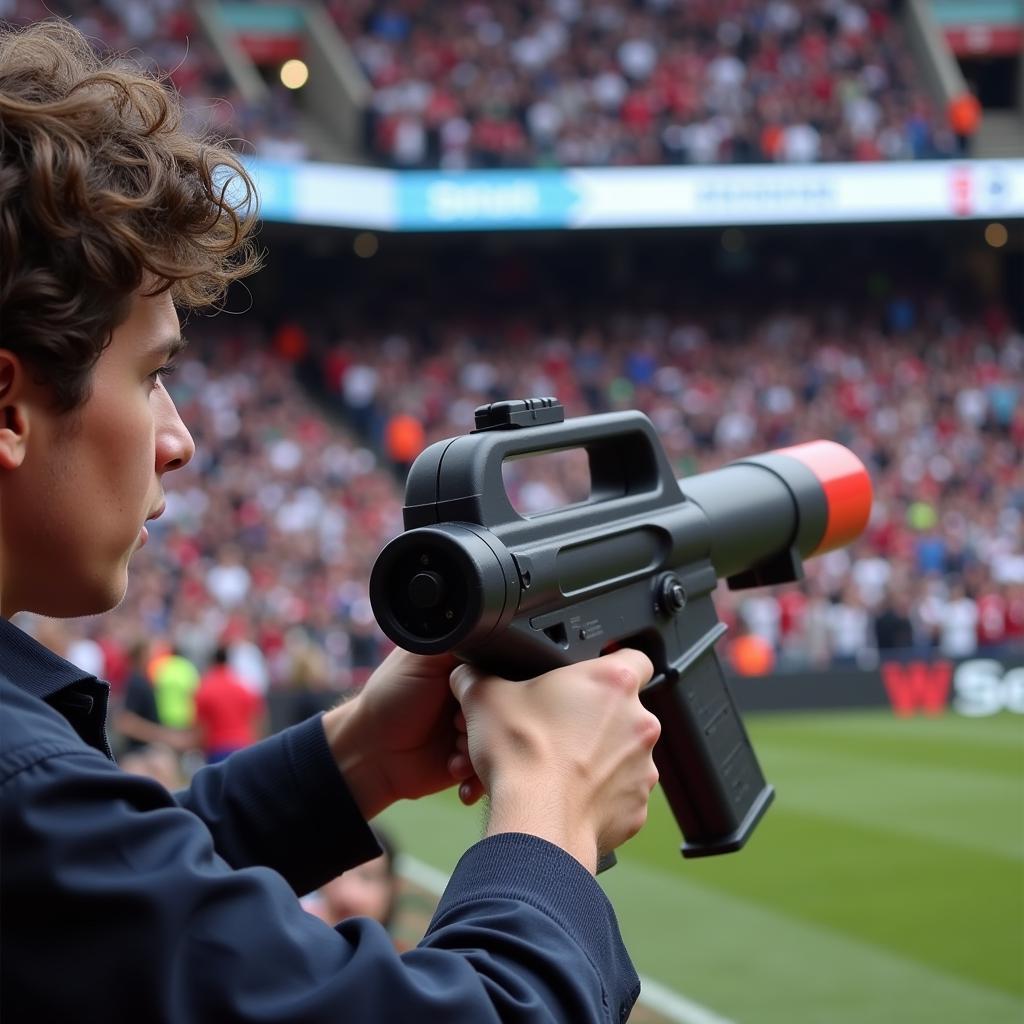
(87, 601)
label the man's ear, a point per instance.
(14, 417)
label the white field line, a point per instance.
(678, 1008)
(653, 994)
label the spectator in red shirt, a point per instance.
(993, 614)
(229, 715)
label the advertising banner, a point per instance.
(975, 687)
(603, 197)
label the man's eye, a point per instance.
(162, 371)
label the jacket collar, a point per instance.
(32, 667)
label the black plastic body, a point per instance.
(634, 565)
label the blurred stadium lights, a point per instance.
(365, 245)
(294, 74)
(996, 235)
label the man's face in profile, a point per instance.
(82, 484)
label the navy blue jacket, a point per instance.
(122, 903)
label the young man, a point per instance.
(119, 901)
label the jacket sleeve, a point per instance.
(111, 888)
(283, 804)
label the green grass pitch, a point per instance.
(884, 886)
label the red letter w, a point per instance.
(917, 686)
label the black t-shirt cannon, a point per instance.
(632, 566)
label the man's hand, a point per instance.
(565, 756)
(400, 737)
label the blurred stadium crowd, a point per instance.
(165, 37)
(931, 403)
(567, 83)
(304, 432)
(269, 535)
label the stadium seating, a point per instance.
(932, 405)
(270, 535)
(539, 84)
(572, 84)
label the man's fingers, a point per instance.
(471, 791)
(630, 667)
(460, 767)
(461, 679)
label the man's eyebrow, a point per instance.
(172, 346)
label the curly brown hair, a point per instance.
(103, 192)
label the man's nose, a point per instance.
(174, 444)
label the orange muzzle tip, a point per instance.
(847, 486)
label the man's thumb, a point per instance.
(461, 679)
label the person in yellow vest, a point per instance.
(175, 681)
